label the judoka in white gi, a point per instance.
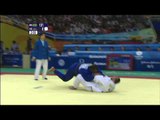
(100, 83)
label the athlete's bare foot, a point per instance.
(51, 69)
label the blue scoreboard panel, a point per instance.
(36, 28)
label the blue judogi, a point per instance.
(74, 70)
(41, 53)
(88, 75)
(41, 50)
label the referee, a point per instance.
(41, 55)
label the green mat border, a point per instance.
(106, 72)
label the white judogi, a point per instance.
(39, 63)
(99, 84)
(104, 83)
(90, 86)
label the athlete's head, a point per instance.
(93, 68)
(115, 79)
(42, 36)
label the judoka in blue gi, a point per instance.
(41, 56)
(86, 70)
(89, 75)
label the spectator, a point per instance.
(87, 49)
(100, 49)
(148, 48)
(14, 45)
(59, 53)
(17, 51)
(123, 48)
(112, 48)
(6, 51)
(29, 45)
(138, 49)
(70, 52)
(77, 48)
(86, 23)
(50, 28)
(11, 51)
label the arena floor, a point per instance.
(24, 90)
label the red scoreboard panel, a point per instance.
(119, 62)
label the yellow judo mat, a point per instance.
(24, 90)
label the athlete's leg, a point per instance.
(69, 74)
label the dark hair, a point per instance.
(122, 47)
(138, 48)
(93, 68)
(70, 49)
(41, 33)
(86, 49)
(112, 48)
(117, 80)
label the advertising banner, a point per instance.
(12, 60)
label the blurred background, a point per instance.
(113, 42)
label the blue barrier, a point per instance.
(11, 60)
(140, 63)
(63, 62)
(99, 58)
(112, 36)
(110, 45)
(128, 47)
(136, 54)
(141, 34)
(147, 65)
(143, 61)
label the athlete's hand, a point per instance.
(33, 58)
(51, 69)
(49, 58)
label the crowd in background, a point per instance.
(14, 49)
(80, 24)
(87, 24)
(72, 51)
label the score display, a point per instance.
(119, 62)
(36, 28)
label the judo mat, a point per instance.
(24, 90)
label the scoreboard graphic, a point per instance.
(36, 28)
